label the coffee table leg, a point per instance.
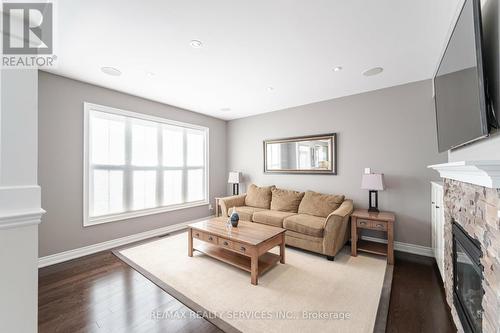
(254, 267)
(282, 249)
(190, 242)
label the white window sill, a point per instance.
(90, 221)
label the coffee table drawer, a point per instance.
(197, 234)
(205, 236)
(209, 238)
(225, 243)
(241, 248)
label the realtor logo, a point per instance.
(28, 35)
(27, 28)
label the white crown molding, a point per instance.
(20, 206)
(483, 173)
(21, 219)
(94, 248)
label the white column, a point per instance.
(20, 206)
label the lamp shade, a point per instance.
(373, 181)
(234, 177)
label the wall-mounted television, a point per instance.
(459, 83)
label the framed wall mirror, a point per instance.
(316, 154)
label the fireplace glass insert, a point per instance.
(467, 279)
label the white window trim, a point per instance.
(90, 221)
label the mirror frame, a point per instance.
(333, 153)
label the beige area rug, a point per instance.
(289, 298)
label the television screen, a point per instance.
(459, 84)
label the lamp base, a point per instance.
(236, 189)
(373, 201)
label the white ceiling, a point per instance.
(248, 46)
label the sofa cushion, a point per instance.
(271, 217)
(285, 200)
(246, 212)
(319, 204)
(258, 196)
(305, 224)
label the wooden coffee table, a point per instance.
(245, 246)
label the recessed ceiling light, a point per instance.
(225, 109)
(150, 74)
(196, 43)
(337, 69)
(373, 71)
(111, 71)
(270, 88)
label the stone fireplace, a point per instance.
(475, 210)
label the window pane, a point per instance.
(195, 148)
(173, 152)
(144, 143)
(107, 192)
(195, 190)
(107, 140)
(131, 170)
(144, 190)
(172, 187)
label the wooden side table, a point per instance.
(381, 221)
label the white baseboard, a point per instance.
(404, 247)
(94, 248)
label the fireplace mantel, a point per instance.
(483, 173)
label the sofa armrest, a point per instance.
(229, 202)
(337, 229)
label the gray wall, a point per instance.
(390, 130)
(487, 149)
(60, 169)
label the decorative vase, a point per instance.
(235, 218)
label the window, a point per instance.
(137, 165)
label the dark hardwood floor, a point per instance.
(418, 303)
(100, 293)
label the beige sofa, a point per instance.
(314, 221)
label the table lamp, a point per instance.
(373, 182)
(235, 178)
